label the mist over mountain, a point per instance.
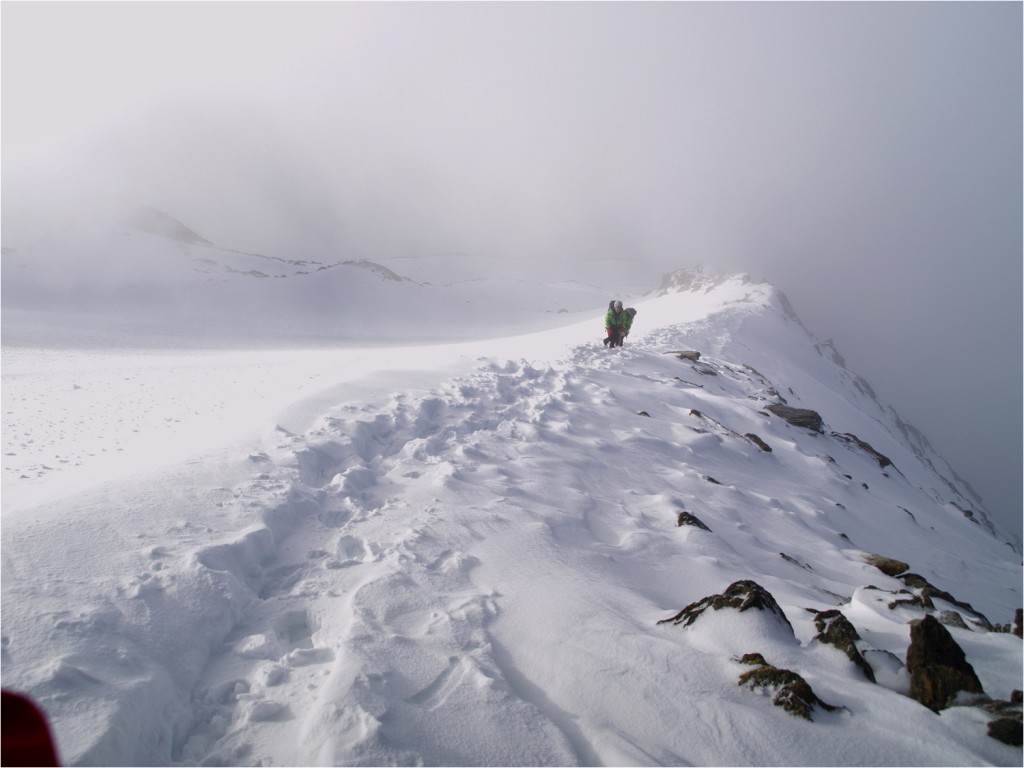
(865, 157)
(156, 271)
(148, 272)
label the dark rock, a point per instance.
(1017, 622)
(847, 437)
(929, 591)
(758, 442)
(968, 513)
(687, 354)
(1001, 708)
(753, 659)
(798, 417)
(839, 599)
(1007, 730)
(688, 383)
(643, 413)
(741, 596)
(794, 561)
(836, 630)
(887, 565)
(792, 692)
(914, 581)
(952, 619)
(1016, 697)
(938, 668)
(1006, 723)
(910, 601)
(712, 480)
(685, 518)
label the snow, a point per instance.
(405, 552)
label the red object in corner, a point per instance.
(26, 738)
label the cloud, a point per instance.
(864, 157)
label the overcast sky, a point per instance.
(864, 157)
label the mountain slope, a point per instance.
(471, 567)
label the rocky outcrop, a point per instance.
(685, 518)
(685, 354)
(887, 565)
(836, 630)
(909, 601)
(714, 425)
(1006, 725)
(952, 619)
(1008, 730)
(795, 562)
(791, 692)
(928, 592)
(691, 279)
(798, 417)
(883, 460)
(938, 668)
(741, 596)
(758, 442)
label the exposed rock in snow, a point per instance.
(887, 565)
(939, 671)
(883, 461)
(1008, 730)
(740, 596)
(685, 518)
(836, 630)
(789, 690)
(798, 417)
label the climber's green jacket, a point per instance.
(620, 319)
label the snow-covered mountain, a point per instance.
(526, 549)
(180, 289)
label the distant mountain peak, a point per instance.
(694, 279)
(150, 220)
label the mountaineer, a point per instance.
(617, 322)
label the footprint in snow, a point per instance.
(458, 671)
(351, 550)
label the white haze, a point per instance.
(865, 158)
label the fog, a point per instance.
(864, 157)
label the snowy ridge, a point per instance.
(473, 571)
